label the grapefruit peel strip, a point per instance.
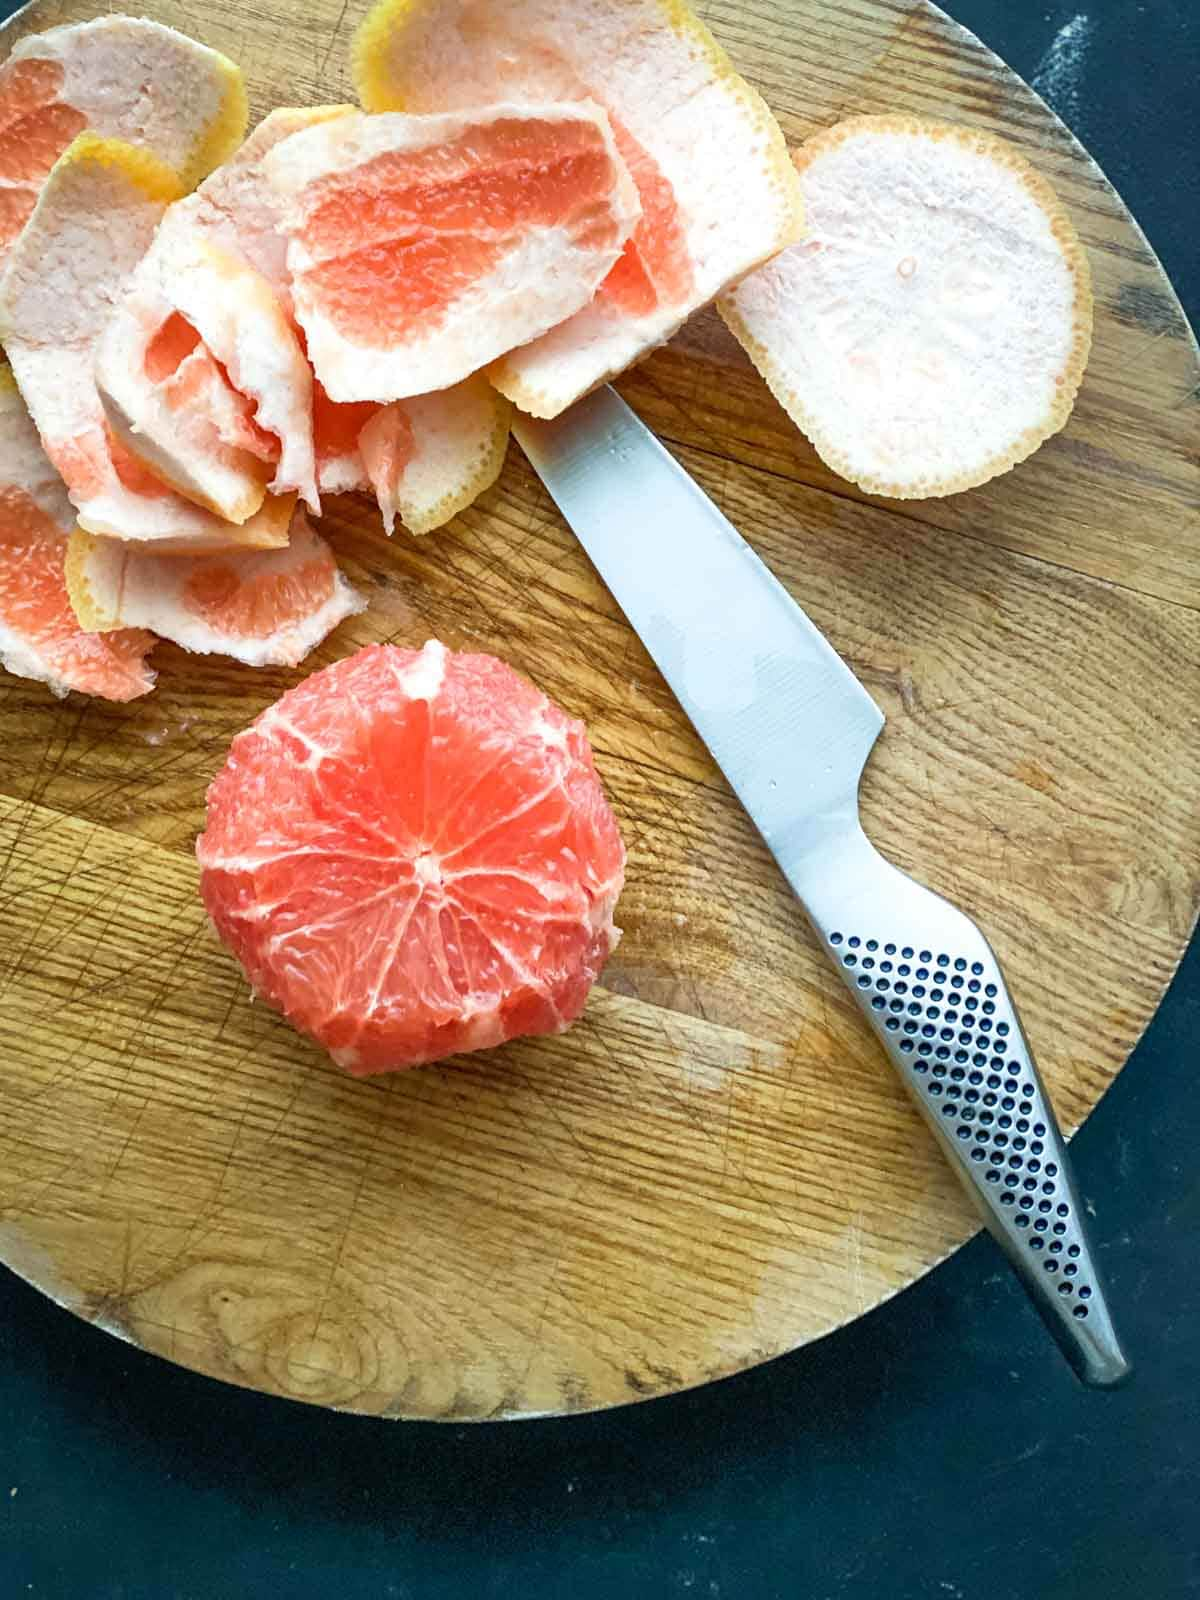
(114, 585)
(212, 143)
(121, 77)
(226, 130)
(240, 323)
(545, 375)
(40, 363)
(454, 340)
(51, 648)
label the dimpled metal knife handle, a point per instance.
(932, 989)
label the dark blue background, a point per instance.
(939, 1448)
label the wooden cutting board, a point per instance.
(716, 1164)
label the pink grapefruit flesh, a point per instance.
(411, 855)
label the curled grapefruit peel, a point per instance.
(40, 637)
(94, 219)
(234, 416)
(218, 263)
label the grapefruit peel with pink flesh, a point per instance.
(122, 78)
(40, 637)
(94, 220)
(718, 193)
(422, 247)
(261, 607)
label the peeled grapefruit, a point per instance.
(718, 194)
(411, 855)
(124, 78)
(933, 328)
(40, 637)
(263, 607)
(94, 219)
(420, 248)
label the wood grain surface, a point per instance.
(716, 1164)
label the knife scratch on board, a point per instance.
(899, 680)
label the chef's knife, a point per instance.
(791, 728)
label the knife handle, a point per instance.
(932, 989)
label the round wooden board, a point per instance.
(716, 1164)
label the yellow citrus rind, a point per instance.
(481, 475)
(143, 169)
(91, 616)
(226, 130)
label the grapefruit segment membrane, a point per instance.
(422, 247)
(411, 855)
(717, 192)
(123, 78)
(932, 329)
(95, 217)
(263, 607)
(40, 637)
(340, 466)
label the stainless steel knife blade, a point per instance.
(785, 719)
(792, 728)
